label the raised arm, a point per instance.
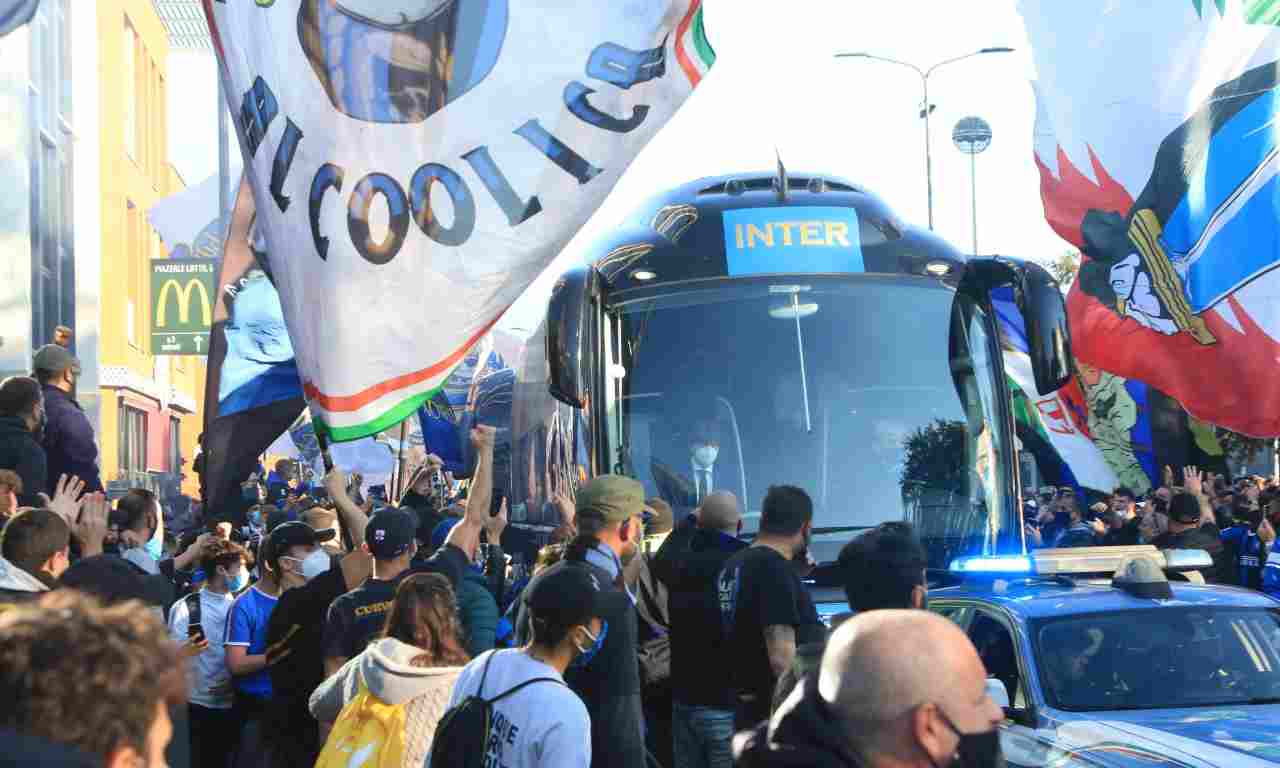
(351, 516)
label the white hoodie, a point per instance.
(388, 674)
(14, 579)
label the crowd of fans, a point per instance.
(335, 630)
(1235, 523)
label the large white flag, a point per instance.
(417, 163)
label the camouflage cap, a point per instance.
(613, 497)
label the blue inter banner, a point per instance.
(814, 239)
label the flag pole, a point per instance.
(399, 487)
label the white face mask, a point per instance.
(313, 564)
(705, 455)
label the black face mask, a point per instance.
(976, 750)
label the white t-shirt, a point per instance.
(210, 680)
(543, 725)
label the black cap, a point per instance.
(390, 533)
(54, 358)
(566, 594)
(1184, 508)
(277, 518)
(293, 534)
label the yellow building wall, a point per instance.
(136, 173)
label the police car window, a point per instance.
(996, 648)
(960, 614)
(1172, 657)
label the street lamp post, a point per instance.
(924, 81)
(971, 136)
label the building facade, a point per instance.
(150, 404)
(87, 162)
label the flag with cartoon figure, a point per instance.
(417, 163)
(1157, 148)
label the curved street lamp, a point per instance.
(924, 80)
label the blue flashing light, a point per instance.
(1003, 564)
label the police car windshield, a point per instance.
(900, 381)
(1155, 659)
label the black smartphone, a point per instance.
(378, 492)
(495, 506)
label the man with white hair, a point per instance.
(873, 704)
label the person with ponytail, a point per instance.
(414, 665)
(609, 515)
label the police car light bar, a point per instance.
(1082, 560)
(996, 564)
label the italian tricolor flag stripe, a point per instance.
(693, 51)
(351, 417)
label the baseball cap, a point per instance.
(1184, 508)
(614, 498)
(52, 357)
(566, 594)
(390, 533)
(663, 519)
(293, 534)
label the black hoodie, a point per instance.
(801, 733)
(688, 563)
(22, 453)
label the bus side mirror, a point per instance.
(1045, 316)
(568, 324)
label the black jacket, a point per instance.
(802, 733)
(69, 441)
(689, 564)
(21, 452)
(1199, 538)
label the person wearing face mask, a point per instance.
(610, 529)
(310, 586)
(872, 704)
(21, 430)
(763, 603)
(198, 623)
(544, 723)
(68, 440)
(141, 537)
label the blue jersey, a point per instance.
(247, 626)
(1246, 553)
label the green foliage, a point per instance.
(935, 456)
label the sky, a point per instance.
(777, 87)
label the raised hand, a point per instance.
(66, 498)
(90, 528)
(482, 436)
(1192, 480)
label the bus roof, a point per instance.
(743, 225)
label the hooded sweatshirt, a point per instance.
(801, 733)
(17, 586)
(387, 672)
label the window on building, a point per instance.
(133, 258)
(133, 440)
(52, 232)
(175, 444)
(130, 78)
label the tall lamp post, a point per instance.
(924, 81)
(972, 135)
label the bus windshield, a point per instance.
(875, 394)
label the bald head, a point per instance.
(880, 667)
(719, 512)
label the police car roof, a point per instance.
(1038, 598)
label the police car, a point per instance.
(1143, 668)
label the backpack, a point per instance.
(462, 736)
(368, 732)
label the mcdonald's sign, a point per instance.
(182, 295)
